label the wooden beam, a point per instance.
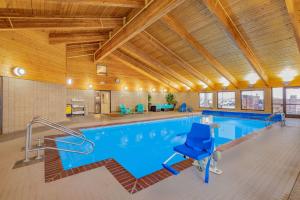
(106, 3)
(77, 36)
(217, 9)
(13, 23)
(81, 49)
(147, 16)
(142, 68)
(176, 58)
(155, 64)
(294, 18)
(183, 33)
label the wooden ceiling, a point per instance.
(179, 44)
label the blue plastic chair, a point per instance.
(182, 108)
(124, 110)
(199, 145)
(139, 108)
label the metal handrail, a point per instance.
(56, 126)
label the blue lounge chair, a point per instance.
(182, 108)
(199, 145)
(139, 108)
(124, 110)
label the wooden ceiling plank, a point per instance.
(147, 16)
(182, 32)
(107, 3)
(290, 5)
(176, 58)
(217, 9)
(75, 37)
(142, 68)
(140, 55)
(52, 23)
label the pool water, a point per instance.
(142, 147)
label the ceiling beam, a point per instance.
(147, 16)
(174, 57)
(183, 33)
(138, 54)
(106, 3)
(142, 68)
(81, 49)
(294, 18)
(77, 36)
(217, 9)
(12, 23)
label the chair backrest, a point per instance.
(198, 134)
(183, 105)
(122, 107)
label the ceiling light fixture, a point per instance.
(252, 78)
(224, 82)
(19, 71)
(287, 75)
(90, 86)
(125, 88)
(203, 85)
(69, 81)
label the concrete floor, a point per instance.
(264, 167)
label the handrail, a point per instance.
(61, 128)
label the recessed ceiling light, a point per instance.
(18, 71)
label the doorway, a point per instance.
(286, 100)
(102, 102)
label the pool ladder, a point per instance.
(39, 120)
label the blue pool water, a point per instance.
(142, 147)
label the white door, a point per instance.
(105, 102)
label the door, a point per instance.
(105, 102)
(292, 102)
(287, 100)
(97, 102)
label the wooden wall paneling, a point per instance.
(146, 17)
(31, 50)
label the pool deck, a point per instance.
(263, 167)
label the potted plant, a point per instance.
(170, 98)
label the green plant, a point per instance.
(149, 98)
(170, 98)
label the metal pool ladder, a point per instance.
(39, 120)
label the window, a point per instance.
(277, 99)
(253, 100)
(292, 106)
(226, 100)
(206, 100)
